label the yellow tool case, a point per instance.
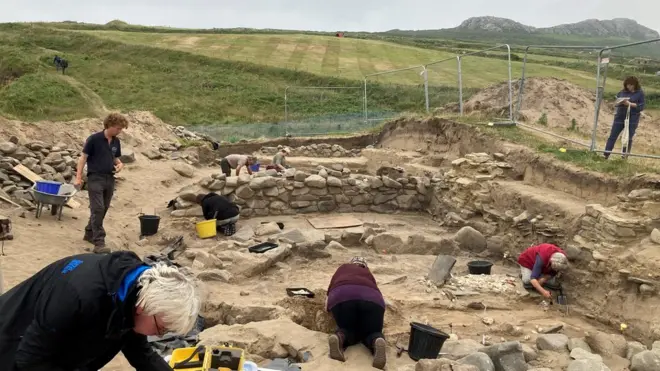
(211, 358)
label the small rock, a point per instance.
(587, 365)
(578, 343)
(487, 321)
(267, 229)
(8, 148)
(635, 347)
(553, 342)
(655, 236)
(579, 353)
(214, 275)
(184, 169)
(647, 360)
(480, 360)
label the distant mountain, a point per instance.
(618, 27)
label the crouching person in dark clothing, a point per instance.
(79, 312)
(220, 208)
(358, 307)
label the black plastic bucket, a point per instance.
(425, 341)
(149, 225)
(479, 267)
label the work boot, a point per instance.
(336, 344)
(88, 238)
(380, 353)
(101, 249)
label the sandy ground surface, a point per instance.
(151, 184)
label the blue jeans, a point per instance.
(617, 128)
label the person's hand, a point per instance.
(118, 167)
(77, 183)
(626, 102)
(546, 294)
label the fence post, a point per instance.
(366, 116)
(592, 147)
(426, 89)
(508, 48)
(460, 86)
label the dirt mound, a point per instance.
(144, 129)
(559, 100)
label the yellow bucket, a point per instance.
(206, 229)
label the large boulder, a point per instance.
(470, 239)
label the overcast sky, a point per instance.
(352, 15)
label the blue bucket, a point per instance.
(48, 186)
(254, 167)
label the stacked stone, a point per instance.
(316, 150)
(329, 189)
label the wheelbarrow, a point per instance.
(56, 202)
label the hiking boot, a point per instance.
(101, 249)
(336, 348)
(380, 353)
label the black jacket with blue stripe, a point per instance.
(75, 314)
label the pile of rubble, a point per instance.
(316, 150)
(328, 189)
(595, 351)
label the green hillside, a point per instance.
(195, 77)
(180, 87)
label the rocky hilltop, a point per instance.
(618, 27)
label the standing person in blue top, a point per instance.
(101, 154)
(633, 91)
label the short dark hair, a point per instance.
(631, 80)
(200, 198)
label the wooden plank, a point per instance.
(31, 176)
(328, 222)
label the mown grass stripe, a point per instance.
(330, 63)
(298, 54)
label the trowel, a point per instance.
(562, 299)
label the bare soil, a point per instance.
(510, 314)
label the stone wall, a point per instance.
(326, 190)
(51, 162)
(316, 150)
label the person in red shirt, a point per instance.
(540, 264)
(358, 307)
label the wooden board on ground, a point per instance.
(31, 176)
(5, 197)
(329, 222)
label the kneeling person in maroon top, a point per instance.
(358, 307)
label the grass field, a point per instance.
(348, 58)
(212, 78)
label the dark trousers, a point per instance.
(617, 129)
(226, 168)
(100, 188)
(359, 321)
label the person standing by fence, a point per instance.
(631, 98)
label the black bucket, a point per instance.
(149, 225)
(425, 341)
(479, 267)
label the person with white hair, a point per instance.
(540, 264)
(358, 308)
(79, 312)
